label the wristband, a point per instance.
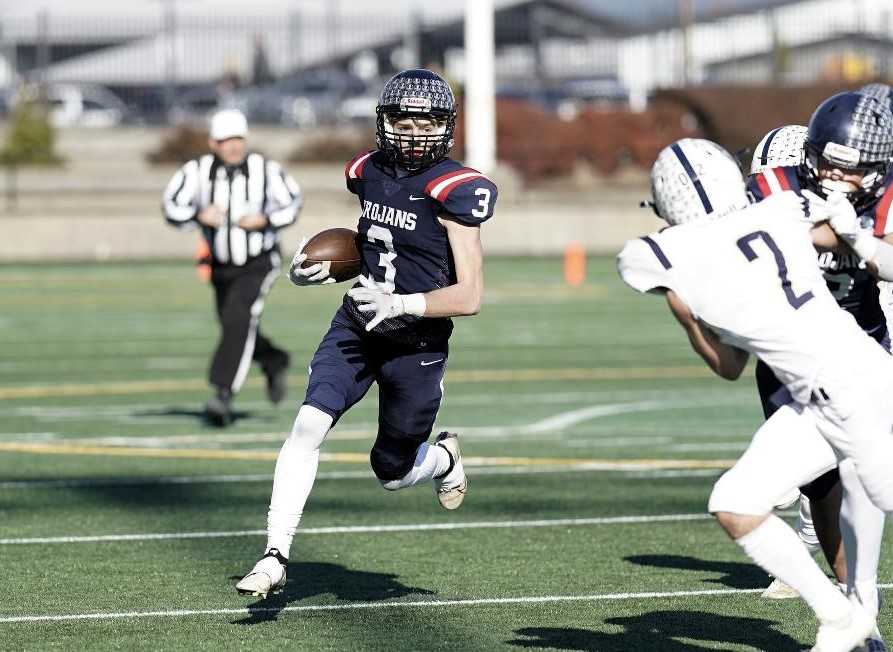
(415, 304)
(864, 244)
(883, 260)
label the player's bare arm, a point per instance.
(463, 297)
(725, 360)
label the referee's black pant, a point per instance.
(240, 291)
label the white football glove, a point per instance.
(847, 225)
(317, 274)
(385, 305)
(818, 210)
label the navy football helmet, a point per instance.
(853, 132)
(416, 93)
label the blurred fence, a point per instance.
(575, 88)
(169, 63)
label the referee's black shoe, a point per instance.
(218, 409)
(277, 381)
(277, 386)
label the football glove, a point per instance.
(843, 219)
(385, 305)
(317, 274)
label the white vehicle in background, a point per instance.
(73, 105)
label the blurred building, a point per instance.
(151, 53)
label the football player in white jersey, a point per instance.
(847, 123)
(781, 147)
(744, 279)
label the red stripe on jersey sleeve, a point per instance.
(763, 185)
(782, 178)
(882, 212)
(443, 194)
(444, 177)
(358, 173)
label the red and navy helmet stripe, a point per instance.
(690, 171)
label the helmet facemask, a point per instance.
(836, 156)
(414, 140)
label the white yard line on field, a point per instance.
(374, 529)
(417, 604)
(76, 483)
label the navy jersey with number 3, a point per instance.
(404, 246)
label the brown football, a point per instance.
(338, 246)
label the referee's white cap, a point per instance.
(229, 123)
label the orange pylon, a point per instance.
(574, 264)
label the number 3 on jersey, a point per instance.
(745, 245)
(386, 260)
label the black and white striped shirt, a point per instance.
(257, 185)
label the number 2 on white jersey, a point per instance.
(746, 247)
(387, 259)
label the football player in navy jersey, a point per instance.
(419, 236)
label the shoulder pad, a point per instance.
(644, 266)
(353, 171)
(464, 193)
(773, 181)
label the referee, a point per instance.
(239, 200)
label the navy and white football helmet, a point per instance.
(853, 132)
(882, 92)
(695, 179)
(781, 147)
(416, 93)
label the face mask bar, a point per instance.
(414, 151)
(872, 175)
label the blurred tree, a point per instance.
(261, 72)
(30, 138)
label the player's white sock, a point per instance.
(806, 528)
(430, 461)
(295, 472)
(863, 552)
(778, 550)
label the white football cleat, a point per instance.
(267, 576)
(848, 635)
(452, 485)
(778, 590)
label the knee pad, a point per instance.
(310, 428)
(392, 456)
(390, 466)
(721, 497)
(732, 493)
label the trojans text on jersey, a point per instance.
(389, 215)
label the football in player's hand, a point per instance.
(338, 246)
